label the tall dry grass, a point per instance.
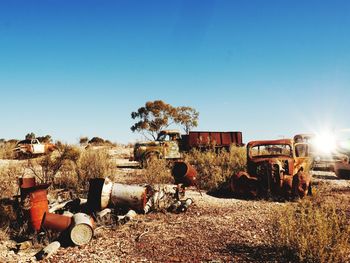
(6, 150)
(72, 167)
(94, 164)
(8, 188)
(157, 172)
(46, 168)
(315, 230)
(215, 168)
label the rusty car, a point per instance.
(33, 147)
(273, 169)
(333, 160)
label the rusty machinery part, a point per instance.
(184, 173)
(181, 206)
(81, 231)
(162, 197)
(56, 222)
(99, 194)
(302, 181)
(244, 185)
(129, 196)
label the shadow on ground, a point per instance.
(325, 177)
(260, 253)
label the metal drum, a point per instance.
(184, 173)
(81, 231)
(129, 196)
(99, 193)
(56, 222)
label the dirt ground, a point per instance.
(212, 230)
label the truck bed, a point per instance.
(205, 139)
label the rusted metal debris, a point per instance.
(273, 169)
(48, 251)
(142, 198)
(75, 220)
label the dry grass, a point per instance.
(6, 150)
(315, 230)
(93, 164)
(157, 172)
(72, 167)
(47, 167)
(215, 168)
(8, 188)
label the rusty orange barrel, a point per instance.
(26, 182)
(38, 207)
(184, 173)
(56, 222)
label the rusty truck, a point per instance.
(273, 169)
(170, 144)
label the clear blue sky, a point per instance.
(267, 68)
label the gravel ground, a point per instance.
(212, 230)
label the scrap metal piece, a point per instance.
(33, 147)
(130, 215)
(163, 197)
(48, 251)
(138, 238)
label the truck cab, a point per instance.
(166, 146)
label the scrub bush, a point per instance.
(215, 168)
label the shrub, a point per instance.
(157, 172)
(215, 168)
(93, 164)
(72, 168)
(316, 231)
(8, 188)
(47, 167)
(6, 150)
(97, 141)
(83, 140)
